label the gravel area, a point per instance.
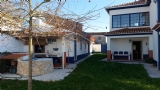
(57, 74)
(152, 71)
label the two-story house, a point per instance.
(131, 33)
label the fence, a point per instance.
(99, 48)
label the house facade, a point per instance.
(75, 43)
(71, 46)
(99, 37)
(131, 33)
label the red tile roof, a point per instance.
(136, 2)
(12, 56)
(130, 30)
(156, 26)
(96, 33)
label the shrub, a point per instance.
(6, 53)
(149, 60)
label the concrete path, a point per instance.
(152, 71)
(57, 74)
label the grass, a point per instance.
(93, 74)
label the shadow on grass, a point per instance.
(93, 74)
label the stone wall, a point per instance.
(39, 67)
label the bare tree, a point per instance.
(17, 20)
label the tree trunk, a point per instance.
(30, 48)
(30, 57)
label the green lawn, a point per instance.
(93, 74)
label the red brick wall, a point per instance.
(108, 54)
(150, 52)
(65, 60)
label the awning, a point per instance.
(37, 42)
(156, 26)
(12, 56)
(130, 31)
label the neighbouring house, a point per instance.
(131, 35)
(99, 37)
(67, 46)
(74, 43)
(99, 44)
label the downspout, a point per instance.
(158, 8)
(68, 55)
(158, 63)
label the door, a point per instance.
(75, 50)
(39, 48)
(137, 50)
(89, 47)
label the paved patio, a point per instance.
(57, 74)
(152, 71)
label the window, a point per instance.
(50, 41)
(144, 19)
(116, 21)
(99, 38)
(134, 20)
(80, 44)
(124, 20)
(130, 20)
(39, 48)
(85, 45)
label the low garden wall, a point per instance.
(40, 66)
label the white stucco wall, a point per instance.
(109, 42)
(123, 44)
(83, 50)
(10, 44)
(91, 49)
(96, 47)
(70, 49)
(155, 43)
(26, 48)
(153, 14)
(57, 44)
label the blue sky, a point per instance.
(82, 6)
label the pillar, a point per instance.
(108, 48)
(150, 52)
(63, 53)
